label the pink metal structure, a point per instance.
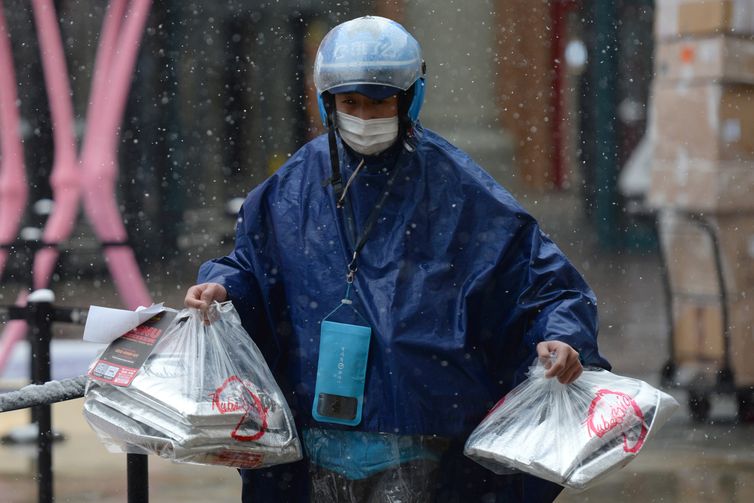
(93, 173)
(116, 59)
(13, 189)
(65, 175)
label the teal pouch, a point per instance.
(341, 372)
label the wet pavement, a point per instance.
(685, 463)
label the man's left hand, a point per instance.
(566, 365)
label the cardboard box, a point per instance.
(742, 342)
(702, 186)
(698, 335)
(711, 60)
(697, 332)
(689, 252)
(712, 122)
(674, 18)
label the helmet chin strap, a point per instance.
(335, 179)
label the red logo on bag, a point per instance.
(613, 409)
(234, 395)
(239, 459)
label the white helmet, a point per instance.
(373, 56)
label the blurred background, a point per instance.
(545, 95)
(626, 127)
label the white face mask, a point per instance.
(367, 137)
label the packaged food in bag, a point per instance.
(203, 395)
(571, 434)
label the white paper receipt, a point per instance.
(105, 324)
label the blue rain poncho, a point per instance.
(456, 280)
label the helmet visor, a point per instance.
(376, 92)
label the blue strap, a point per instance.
(346, 301)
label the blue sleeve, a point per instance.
(556, 301)
(242, 273)
(236, 271)
(534, 294)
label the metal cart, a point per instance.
(721, 380)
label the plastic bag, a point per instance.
(205, 395)
(569, 434)
(350, 466)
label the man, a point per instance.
(396, 290)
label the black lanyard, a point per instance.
(373, 216)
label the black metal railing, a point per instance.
(40, 314)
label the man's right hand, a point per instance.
(201, 296)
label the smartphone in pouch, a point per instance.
(344, 408)
(341, 373)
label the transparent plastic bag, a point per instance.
(205, 395)
(351, 466)
(571, 434)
